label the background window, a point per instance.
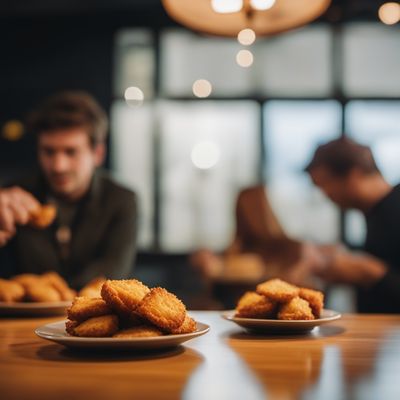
(197, 206)
(293, 129)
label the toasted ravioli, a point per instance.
(93, 288)
(296, 309)
(188, 326)
(26, 279)
(163, 309)
(84, 308)
(42, 293)
(123, 296)
(277, 290)
(70, 326)
(315, 298)
(254, 305)
(138, 331)
(104, 326)
(43, 216)
(11, 291)
(59, 284)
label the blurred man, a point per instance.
(347, 173)
(94, 232)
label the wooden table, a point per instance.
(357, 357)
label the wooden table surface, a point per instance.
(357, 357)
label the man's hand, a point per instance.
(353, 268)
(16, 206)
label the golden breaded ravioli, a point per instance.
(103, 326)
(277, 290)
(138, 331)
(85, 307)
(254, 305)
(315, 298)
(296, 309)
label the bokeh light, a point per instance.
(389, 13)
(202, 88)
(246, 37)
(134, 96)
(244, 58)
(205, 155)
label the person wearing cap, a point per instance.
(348, 175)
(94, 231)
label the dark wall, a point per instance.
(44, 55)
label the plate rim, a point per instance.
(109, 340)
(229, 316)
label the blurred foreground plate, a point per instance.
(56, 333)
(276, 325)
(34, 309)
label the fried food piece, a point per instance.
(70, 326)
(26, 279)
(254, 305)
(189, 325)
(123, 296)
(278, 290)
(42, 293)
(315, 298)
(84, 308)
(163, 309)
(93, 288)
(138, 331)
(43, 216)
(58, 283)
(296, 309)
(104, 326)
(11, 291)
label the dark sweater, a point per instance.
(383, 242)
(103, 236)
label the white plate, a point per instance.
(56, 333)
(34, 309)
(276, 325)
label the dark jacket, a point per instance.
(383, 242)
(103, 236)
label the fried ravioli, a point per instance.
(104, 326)
(163, 309)
(188, 326)
(296, 309)
(84, 308)
(123, 296)
(254, 305)
(59, 284)
(26, 279)
(315, 298)
(11, 291)
(43, 216)
(138, 331)
(277, 290)
(93, 288)
(42, 293)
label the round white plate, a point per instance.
(56, 333)
(276, 325)
(34, 309)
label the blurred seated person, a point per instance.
(260, 249)
(94, 231)
(347, 173)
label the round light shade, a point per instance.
(284, 15)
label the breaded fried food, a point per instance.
(84, 308)
(277, 290)
(123, 296)
(70, 326)
(162, 309)
(188, 326)
(254, 305)
(296, 309)
(93, 288)
(42, 216)
(104, 326)
(138, 331)
(315, 298)
(42, 293)
(58, 283)
(26, 279)
(11, 291)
